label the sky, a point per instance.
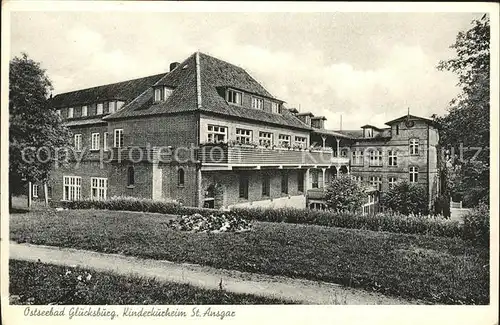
(361, 68)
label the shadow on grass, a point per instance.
(18, 210)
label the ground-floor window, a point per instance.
(413, 174)
(99, 188)
(243, 188)
(300, 181)
(266, 185)
(392, 182)
(72, 188)
(35, 190)
(284, 182)
(376, 181)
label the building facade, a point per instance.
(208, 134)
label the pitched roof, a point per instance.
(125, 90)
(370, 126)
(215, 76)
(331, 132)
(411, 117)
(358, 134)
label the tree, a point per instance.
(465, 130)
(406, 198)
(345, 194)
(35, 130)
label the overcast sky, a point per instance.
(367, 67)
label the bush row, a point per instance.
(475, 226)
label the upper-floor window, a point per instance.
(392, 182)
(111, 107)
(301, 141)
(119, 105)
(84, 110)
(375, 158)
(234, 97)
(78, 142)
(413, 174)
(357, 158)
(162, 93)
(397, 129)
(393, 158)
(265, 138)
(100, 108)
(368, 133)
(70, 112)
(95, 141)
(105, 141)
(376, 181)
(216, 134)
(243, 136)
(257, 103)
(275, 107)
(284, 140)
(118, 138)
(414, 146)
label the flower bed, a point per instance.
(211, 223)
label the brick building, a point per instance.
(207, 134)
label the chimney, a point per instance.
(173, 65)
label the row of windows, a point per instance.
(375, 156)
(72, 188)
(376, 181)
(266, 184)
(219, 134)
(95, 140)
(112, 106)
(236, 97)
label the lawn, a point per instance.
(41, 284)
(434, 269)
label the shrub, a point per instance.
(476, 225)
(406, 198)
(211, 223)
(345, 194)
(442, 205)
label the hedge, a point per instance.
(391, 222)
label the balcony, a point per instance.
(230, 156)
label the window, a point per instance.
(216, 134)
(300, 181)
(100, 108)
(284, 140)
(257, 103)
(96, 139)
(357, 158)
(397, 129)
(78, 142)
(70, 112)
(284, 182)
(72, 186)
(234, 97)
(393, 158)
(243, 186)
(84, 110)
(118, 138)
(180, 177)
(368, 133)
(130, 176)
(375, 158)
(413, 146)
(413, 174)
(358, 179)
(98, 188)
(266, 185)
(105, 141)
(162, 93)
(119, 105)
(34, 190)
(315, 178)
(376, 181)
(301, 142)
(112, 107)
(392, 182)
(265, 138)
(243, 136)
(275, 108)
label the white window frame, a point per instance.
(392, 182)
(71, 112)
(284, 140)
(117, 138)
(368, 133)
(158, 94)
(357, 158)
(275, 107)
(300, 141)
(375, 158)
(393, 158)
(111, 107)
(376, 181)
(95, 141)
(72, 188)
(413, 146)
(234, 97)
(265, 138)
(243, 135)
(100, 108)
(77, 142)
(105, 141)
(119, 105)
(257, 103)
(413, 174)
(34, 190)
(98, 188)
(84, 110)
(216, 133)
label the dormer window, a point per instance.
(100, 108)
(257, 103)
(368, 133)
(119, 105)
(234, 97)
(70, 112)
(162, 93)
(275, 108)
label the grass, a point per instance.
(434, 269)
(42, 284)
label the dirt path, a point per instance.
(305, 291)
